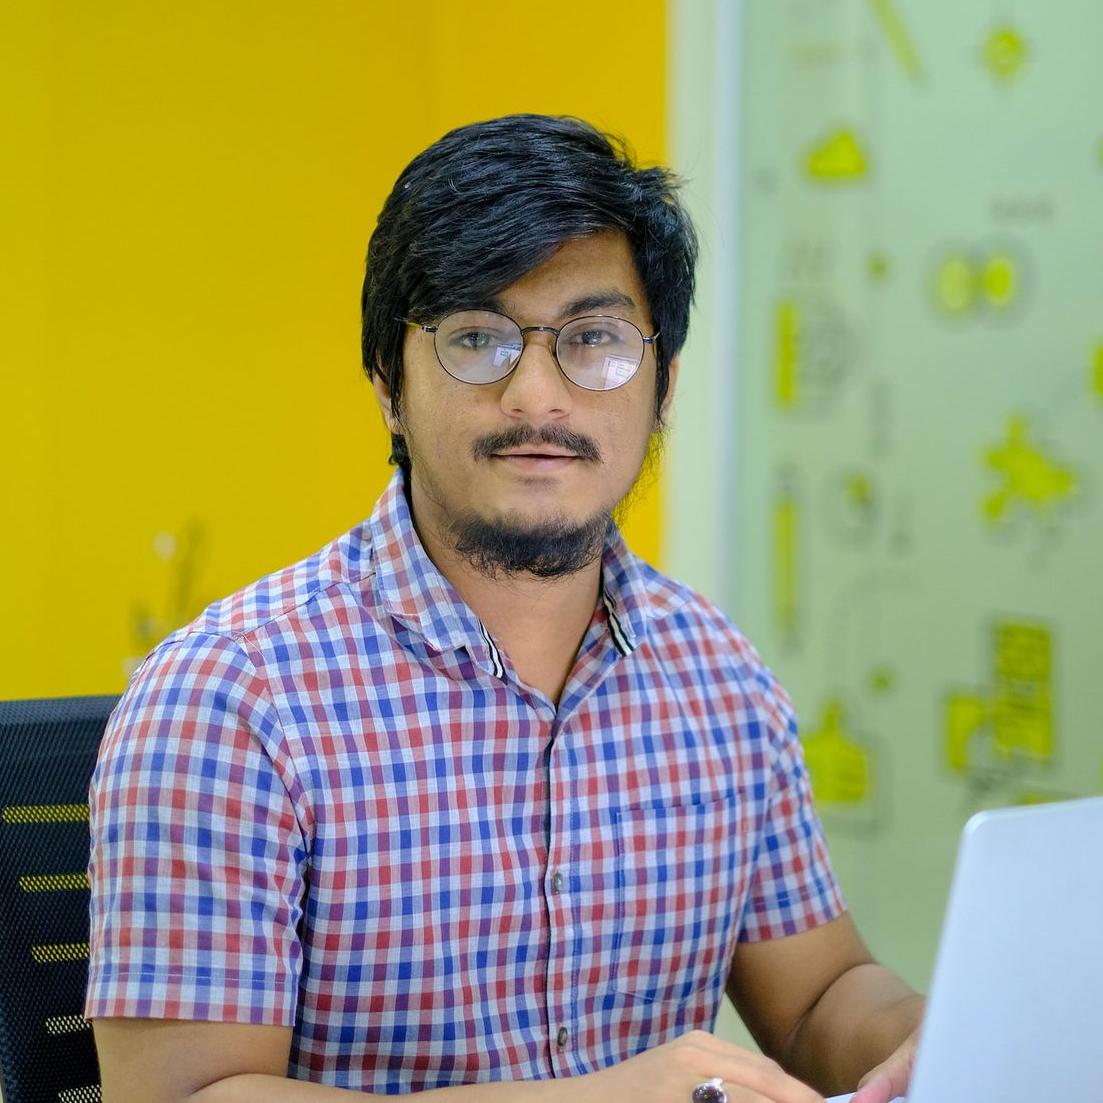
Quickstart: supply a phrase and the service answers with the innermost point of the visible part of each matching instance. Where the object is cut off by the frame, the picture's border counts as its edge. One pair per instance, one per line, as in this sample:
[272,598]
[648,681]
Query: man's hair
[489,202]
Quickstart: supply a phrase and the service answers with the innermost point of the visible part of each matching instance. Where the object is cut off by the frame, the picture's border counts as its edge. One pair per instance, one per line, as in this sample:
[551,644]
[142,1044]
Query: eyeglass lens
[479,346]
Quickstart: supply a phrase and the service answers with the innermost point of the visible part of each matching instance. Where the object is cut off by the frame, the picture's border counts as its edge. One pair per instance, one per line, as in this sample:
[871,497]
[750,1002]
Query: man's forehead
[594,301]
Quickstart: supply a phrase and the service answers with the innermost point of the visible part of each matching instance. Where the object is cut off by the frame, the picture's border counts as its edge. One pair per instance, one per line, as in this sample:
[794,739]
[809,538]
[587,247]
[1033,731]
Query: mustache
[558,436]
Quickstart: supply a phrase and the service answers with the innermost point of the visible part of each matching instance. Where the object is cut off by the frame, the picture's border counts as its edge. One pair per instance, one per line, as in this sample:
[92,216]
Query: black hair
[488,202]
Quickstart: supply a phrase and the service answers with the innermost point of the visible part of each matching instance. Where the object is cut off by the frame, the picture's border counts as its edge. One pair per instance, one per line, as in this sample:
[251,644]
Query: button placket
[560,963]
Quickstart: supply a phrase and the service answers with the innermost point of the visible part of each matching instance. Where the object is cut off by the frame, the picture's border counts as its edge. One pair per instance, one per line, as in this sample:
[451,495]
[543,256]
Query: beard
[511,545]
[545,550]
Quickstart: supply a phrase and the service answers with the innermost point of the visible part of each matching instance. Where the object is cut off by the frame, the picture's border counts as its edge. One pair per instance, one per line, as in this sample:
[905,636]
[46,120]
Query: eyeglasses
[480,346]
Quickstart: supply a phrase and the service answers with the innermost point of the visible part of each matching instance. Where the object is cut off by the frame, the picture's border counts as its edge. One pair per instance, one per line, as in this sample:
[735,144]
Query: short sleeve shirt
[331,804]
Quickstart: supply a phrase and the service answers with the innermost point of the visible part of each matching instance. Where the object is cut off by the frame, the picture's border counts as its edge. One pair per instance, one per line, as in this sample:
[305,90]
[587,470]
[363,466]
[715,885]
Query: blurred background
[887,450]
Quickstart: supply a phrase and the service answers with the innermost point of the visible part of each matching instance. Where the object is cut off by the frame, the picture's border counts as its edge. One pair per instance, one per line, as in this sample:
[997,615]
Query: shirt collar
[634,593]
[415,593]
[409,585]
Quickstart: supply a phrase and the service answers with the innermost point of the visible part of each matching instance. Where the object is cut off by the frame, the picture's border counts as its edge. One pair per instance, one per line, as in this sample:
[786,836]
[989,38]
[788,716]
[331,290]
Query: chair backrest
[47,754]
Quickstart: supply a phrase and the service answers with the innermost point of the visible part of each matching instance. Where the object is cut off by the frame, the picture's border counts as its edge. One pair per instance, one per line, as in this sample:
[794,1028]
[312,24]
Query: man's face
[482,452]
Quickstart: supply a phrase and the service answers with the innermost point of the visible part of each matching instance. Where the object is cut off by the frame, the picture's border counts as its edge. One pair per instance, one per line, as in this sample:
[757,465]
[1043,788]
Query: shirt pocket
[679,885]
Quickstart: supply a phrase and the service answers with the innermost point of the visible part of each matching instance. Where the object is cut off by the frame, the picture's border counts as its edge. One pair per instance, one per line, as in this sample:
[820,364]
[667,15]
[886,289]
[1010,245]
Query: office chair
[47,753]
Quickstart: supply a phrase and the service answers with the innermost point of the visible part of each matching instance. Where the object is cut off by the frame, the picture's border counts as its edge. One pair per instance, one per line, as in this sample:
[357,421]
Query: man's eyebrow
[601,300]
[588,304]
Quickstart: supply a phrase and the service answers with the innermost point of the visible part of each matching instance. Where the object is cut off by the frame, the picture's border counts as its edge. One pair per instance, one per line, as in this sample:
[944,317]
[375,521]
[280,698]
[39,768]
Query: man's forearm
[668,1072]
[254,1088]
[858,1021]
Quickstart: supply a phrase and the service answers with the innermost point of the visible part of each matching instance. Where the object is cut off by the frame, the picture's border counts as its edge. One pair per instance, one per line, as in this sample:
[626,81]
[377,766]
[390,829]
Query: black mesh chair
[47,752]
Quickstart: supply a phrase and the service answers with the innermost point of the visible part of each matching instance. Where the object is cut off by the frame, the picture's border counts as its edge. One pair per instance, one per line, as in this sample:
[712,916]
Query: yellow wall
[190,200]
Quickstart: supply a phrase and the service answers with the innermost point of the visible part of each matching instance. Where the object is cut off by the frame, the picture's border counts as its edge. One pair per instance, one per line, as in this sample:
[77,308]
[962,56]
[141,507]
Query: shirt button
[557,885]
[561,1037]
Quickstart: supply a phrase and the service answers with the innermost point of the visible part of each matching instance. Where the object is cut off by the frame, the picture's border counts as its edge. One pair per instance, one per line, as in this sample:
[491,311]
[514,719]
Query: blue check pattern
[330,803]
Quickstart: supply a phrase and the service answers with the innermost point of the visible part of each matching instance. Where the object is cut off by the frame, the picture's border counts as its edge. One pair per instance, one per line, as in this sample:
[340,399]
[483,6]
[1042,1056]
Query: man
[473,799]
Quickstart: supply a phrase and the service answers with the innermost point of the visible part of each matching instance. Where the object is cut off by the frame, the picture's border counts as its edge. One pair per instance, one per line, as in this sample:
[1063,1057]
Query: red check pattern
[331,803]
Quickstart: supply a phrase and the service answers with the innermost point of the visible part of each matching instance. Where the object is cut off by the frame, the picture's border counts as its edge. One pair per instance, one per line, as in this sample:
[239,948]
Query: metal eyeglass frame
[647,341]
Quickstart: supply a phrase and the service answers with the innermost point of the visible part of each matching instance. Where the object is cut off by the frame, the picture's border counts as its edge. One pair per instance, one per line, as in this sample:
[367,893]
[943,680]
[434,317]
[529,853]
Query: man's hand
[669,1073]
[891,1077]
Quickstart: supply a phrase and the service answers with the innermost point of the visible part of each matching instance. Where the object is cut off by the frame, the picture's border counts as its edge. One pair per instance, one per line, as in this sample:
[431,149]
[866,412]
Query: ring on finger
[710,1091]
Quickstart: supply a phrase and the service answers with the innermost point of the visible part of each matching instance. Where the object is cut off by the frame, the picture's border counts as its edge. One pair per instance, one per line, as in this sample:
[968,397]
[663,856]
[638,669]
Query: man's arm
[820,1005]
[173,1061]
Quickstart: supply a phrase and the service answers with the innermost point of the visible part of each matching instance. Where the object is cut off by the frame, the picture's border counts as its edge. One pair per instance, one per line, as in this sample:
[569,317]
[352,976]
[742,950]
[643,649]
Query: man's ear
[380,381]
[671,380]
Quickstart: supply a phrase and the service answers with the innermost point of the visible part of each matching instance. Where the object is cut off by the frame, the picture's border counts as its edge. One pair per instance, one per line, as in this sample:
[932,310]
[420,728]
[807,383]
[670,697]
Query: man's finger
[740,1069]
[753,1080]
[884,1083]
[738,1092]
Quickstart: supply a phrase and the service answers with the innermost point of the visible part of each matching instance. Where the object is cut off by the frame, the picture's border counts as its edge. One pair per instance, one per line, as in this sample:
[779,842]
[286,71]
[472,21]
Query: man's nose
[536,389]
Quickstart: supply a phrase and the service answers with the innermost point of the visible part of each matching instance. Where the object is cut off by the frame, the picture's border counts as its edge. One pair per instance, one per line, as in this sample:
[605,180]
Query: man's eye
[473,341]
[594,338]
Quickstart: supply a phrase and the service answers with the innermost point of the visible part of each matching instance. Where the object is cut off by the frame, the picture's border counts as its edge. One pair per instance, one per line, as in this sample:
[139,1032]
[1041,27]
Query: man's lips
[536,453]
[537,462]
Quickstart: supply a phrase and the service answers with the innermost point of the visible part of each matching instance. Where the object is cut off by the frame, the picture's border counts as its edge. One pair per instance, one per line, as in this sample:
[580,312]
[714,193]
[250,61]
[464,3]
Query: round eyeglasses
[480,346]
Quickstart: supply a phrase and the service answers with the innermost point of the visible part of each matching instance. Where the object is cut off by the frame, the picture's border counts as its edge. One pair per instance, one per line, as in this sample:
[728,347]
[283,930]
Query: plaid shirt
[331,803]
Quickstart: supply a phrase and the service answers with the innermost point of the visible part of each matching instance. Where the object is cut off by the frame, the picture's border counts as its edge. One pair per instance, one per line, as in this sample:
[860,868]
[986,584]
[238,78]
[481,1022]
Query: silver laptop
[1015,1012]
